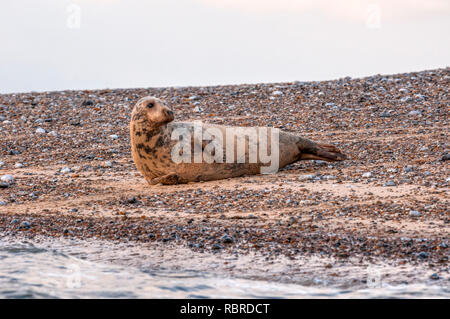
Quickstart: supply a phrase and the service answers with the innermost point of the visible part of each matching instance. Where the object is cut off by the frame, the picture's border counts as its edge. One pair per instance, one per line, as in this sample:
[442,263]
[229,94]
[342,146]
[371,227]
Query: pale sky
[90,44]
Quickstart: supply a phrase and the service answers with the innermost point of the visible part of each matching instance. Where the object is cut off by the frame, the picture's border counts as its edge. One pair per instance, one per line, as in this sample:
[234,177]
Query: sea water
[30,270]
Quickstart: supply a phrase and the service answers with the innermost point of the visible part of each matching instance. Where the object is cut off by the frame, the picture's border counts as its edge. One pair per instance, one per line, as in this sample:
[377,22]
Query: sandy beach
[69,174]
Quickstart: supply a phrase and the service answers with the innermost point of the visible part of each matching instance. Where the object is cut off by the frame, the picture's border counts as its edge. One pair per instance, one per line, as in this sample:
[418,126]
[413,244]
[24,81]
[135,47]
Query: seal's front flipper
[169,179]
[312,151]
[323,152]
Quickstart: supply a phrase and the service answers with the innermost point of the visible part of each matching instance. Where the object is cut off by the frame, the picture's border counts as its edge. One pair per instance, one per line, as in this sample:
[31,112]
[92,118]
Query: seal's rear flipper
[169,179]
[322,152]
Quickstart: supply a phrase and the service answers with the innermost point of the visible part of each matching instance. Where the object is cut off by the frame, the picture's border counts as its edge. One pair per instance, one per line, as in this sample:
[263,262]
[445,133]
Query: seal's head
[153,111]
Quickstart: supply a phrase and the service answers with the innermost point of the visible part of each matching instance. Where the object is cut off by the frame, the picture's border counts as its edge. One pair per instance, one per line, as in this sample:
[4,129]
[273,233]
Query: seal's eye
[150,105]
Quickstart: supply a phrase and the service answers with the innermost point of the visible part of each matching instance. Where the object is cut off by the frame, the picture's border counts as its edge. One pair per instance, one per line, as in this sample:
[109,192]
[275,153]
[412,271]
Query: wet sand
[69,156]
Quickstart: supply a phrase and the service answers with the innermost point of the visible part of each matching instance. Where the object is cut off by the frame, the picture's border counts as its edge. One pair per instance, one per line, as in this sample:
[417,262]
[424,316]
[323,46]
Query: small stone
[4,185]
[40,130]
[415,213]
[435,276]
[226,239]
[390,183]
[306,177]
[412,113]
[194,98]
[66,170]
[2,163]
[198,109]
[408,169]
[423,255]
[277,93]
[367,175]
[25,225]
[114,136]
[2,203]
[18,165]
[406,99]
[53,133]
[132,200]
[87,103]
[445,157]
[7,178]
[419,96]
[108,164]
[217,246]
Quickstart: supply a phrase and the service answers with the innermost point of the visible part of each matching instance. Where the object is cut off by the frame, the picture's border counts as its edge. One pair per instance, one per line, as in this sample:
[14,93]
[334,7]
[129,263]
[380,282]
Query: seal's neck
[152,131]
[144,131]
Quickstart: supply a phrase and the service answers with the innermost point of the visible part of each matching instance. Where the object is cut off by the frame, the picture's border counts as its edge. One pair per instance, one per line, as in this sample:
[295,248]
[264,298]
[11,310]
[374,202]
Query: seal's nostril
[170,112]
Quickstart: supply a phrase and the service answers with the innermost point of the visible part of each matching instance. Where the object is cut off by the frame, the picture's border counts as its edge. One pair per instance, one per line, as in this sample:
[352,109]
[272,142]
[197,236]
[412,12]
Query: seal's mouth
[169,115]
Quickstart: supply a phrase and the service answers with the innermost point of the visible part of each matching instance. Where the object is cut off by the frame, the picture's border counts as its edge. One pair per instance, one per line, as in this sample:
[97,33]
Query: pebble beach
[67,173]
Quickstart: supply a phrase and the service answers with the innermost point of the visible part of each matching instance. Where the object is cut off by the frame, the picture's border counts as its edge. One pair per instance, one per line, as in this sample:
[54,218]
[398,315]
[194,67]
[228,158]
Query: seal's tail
[313,151]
